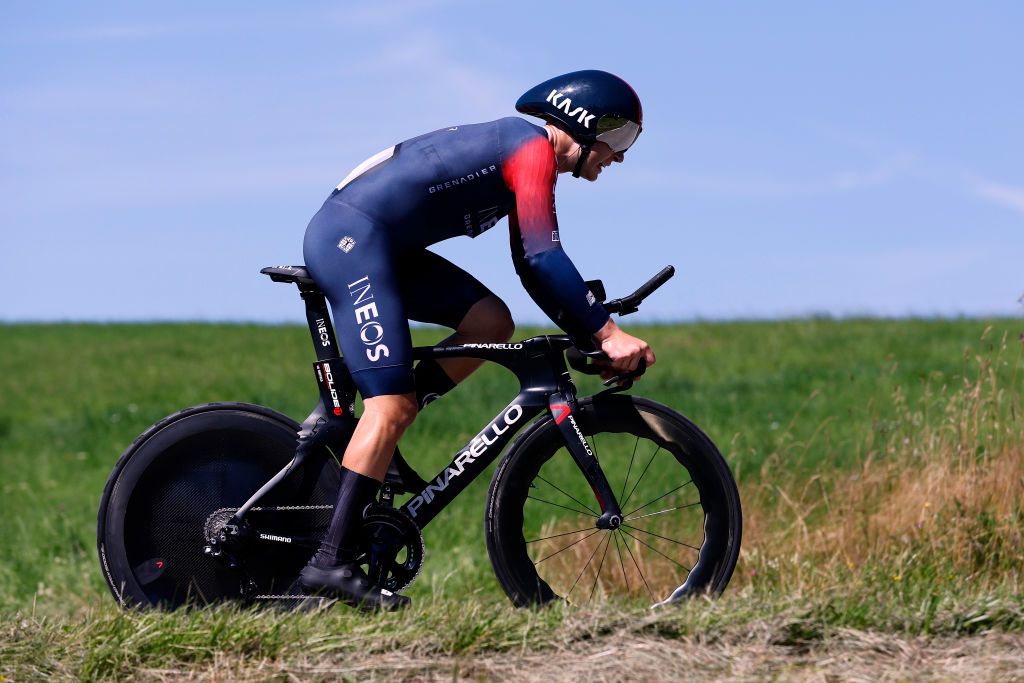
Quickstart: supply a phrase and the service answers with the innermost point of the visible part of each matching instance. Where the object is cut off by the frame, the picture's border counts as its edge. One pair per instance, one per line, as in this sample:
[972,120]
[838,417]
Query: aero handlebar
[623,306]
[631,302]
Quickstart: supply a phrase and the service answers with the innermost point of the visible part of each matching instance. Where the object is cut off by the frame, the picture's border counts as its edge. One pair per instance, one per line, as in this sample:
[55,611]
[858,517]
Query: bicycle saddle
[297,274]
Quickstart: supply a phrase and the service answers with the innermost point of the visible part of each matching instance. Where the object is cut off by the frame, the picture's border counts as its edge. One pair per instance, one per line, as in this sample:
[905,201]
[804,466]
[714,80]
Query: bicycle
[227,501]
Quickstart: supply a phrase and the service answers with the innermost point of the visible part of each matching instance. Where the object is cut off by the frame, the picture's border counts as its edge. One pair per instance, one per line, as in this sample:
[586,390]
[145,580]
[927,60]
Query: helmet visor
[617,132]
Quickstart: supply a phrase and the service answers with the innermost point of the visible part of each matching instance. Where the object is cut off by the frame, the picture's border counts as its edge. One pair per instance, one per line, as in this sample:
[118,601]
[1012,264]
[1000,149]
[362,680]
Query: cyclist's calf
[384,420]
[488,320]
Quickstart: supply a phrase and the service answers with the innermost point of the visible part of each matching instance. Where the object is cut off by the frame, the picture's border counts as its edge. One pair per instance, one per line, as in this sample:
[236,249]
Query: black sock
[341,542]
[431,382]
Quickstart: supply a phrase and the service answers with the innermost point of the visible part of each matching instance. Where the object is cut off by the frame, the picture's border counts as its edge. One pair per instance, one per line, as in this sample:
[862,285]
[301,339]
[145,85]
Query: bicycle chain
[293,597]
[209,531]
[278,507]
[290,508]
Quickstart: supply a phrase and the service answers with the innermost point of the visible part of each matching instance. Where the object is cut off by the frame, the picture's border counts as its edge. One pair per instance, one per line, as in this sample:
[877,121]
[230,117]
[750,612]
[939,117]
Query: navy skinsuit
[366,247]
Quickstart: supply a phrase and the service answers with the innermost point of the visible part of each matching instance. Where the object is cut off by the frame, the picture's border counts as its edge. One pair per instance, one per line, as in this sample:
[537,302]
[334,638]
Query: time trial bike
[610,496]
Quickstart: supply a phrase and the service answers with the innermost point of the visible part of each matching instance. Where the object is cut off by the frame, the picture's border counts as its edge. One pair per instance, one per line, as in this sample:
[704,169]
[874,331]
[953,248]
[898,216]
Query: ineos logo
[321,327]
[371,332]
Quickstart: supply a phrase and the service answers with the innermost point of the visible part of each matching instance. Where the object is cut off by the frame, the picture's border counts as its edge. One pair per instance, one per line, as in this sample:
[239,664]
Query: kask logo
[566,105]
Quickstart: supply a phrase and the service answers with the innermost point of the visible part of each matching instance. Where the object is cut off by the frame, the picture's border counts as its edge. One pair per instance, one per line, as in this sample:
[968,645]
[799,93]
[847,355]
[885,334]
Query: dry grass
[942,493]
[906,568]
[849,656]
[592,566]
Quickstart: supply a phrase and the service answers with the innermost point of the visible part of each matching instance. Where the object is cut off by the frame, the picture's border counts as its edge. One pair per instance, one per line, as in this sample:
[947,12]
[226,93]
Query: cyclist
[366,248]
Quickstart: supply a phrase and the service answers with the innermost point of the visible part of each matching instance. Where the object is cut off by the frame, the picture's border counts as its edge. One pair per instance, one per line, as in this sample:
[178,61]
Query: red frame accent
[560,417]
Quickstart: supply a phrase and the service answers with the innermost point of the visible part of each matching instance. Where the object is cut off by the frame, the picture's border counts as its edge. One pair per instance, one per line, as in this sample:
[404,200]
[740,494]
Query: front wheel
[682,520]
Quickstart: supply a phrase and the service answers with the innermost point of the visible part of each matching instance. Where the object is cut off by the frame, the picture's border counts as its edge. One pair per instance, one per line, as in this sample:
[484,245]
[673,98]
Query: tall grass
[938,499]
[886,502]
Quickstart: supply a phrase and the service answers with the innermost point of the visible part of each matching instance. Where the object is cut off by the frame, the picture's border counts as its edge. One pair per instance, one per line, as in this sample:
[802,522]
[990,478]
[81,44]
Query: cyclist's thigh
[435,290]
[351,259]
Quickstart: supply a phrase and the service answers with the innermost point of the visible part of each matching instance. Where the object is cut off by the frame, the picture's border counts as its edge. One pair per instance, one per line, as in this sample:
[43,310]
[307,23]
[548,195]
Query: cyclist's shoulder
[514,128]
[527,155]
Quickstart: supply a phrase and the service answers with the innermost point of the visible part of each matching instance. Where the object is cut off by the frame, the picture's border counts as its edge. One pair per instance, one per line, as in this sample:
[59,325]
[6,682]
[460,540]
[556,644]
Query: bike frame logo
[510,347]
[370,331]
[321,327]
[583,441]
[476,448]
[328,377]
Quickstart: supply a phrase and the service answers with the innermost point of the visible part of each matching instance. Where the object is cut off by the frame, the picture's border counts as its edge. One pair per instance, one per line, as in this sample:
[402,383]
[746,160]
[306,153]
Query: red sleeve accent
[530,173]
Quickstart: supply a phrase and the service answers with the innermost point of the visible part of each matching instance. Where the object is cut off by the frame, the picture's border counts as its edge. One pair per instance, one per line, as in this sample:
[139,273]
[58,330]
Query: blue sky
[797,158]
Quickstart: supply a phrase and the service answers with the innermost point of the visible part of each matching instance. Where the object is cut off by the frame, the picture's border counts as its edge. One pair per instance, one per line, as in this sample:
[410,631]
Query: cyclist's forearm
[559,283]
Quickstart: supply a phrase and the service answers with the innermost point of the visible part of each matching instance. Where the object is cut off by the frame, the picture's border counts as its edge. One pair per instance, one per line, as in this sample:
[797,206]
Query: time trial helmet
[594,106]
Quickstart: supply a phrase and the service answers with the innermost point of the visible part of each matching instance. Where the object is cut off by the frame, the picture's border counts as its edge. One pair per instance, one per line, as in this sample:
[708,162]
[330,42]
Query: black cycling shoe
[350,584]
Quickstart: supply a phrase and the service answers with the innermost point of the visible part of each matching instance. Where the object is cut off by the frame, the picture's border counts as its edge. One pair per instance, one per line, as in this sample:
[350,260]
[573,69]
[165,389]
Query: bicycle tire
[534,496]
[151,522]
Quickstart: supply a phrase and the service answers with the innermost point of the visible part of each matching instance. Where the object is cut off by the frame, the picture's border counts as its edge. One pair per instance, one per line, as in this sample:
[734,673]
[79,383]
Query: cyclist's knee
[397,410]
[488,320]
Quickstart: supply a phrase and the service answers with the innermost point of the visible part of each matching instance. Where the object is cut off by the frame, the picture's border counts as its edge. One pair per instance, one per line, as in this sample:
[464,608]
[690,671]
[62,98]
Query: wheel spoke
[541,500]
[664,538]
[589,560]
[661,512]
[600,566]
[630,468]
[639,540]
[622,564]
[566,547]
[579,502]
[536,540]
[662,488]
[633,490]
[637,565]
[657,499]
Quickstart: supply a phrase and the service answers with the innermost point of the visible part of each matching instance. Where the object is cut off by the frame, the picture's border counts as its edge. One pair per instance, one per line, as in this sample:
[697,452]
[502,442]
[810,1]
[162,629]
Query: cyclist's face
[601,155]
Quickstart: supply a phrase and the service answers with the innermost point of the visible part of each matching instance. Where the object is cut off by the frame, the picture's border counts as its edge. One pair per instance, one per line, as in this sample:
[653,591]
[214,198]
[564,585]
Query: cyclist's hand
[623,350]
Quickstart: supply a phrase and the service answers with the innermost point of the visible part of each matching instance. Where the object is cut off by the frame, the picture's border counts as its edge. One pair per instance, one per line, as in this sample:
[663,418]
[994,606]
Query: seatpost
[332,415]
[337,391]
[320,327]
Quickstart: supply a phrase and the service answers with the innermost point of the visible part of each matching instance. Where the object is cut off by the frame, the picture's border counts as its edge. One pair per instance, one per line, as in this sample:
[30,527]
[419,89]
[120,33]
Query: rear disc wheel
[154,517]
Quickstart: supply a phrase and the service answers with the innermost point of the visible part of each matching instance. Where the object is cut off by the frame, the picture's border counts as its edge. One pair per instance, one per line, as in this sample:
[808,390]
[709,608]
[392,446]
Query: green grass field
[879,463]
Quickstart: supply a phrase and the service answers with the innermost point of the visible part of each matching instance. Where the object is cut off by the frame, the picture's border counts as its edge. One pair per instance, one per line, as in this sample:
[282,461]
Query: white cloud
[383,13]
[423,58]
[1004,195]
[882,173]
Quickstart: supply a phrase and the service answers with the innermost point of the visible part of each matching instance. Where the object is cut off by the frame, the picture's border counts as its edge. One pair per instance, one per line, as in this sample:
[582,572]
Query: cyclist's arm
[546,271]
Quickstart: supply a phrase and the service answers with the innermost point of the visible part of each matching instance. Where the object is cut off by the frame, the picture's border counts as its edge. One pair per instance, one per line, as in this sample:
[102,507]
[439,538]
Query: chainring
[393,547]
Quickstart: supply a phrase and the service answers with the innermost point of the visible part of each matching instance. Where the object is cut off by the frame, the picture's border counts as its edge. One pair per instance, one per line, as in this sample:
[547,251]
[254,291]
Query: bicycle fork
[563,409]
